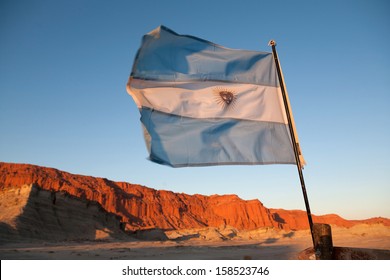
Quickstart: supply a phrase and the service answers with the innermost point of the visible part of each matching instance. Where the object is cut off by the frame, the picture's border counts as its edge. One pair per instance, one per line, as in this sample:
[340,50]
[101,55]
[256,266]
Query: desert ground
[198,244]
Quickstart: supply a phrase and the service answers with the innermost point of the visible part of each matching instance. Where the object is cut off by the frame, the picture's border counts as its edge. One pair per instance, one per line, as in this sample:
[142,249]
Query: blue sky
[63,103]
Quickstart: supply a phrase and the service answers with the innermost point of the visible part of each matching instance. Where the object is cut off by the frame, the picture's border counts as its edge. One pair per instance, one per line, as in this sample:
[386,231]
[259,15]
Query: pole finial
[272,43]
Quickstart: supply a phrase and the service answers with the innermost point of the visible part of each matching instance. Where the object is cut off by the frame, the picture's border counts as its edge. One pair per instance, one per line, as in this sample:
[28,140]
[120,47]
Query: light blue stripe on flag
[168,56]
[180,141]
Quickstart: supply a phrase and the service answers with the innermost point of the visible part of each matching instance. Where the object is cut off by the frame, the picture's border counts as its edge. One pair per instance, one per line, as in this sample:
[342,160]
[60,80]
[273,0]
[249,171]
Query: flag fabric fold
[203,104]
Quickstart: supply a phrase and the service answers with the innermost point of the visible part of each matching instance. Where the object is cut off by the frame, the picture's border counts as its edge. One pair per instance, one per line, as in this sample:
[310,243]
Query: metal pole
[272,43]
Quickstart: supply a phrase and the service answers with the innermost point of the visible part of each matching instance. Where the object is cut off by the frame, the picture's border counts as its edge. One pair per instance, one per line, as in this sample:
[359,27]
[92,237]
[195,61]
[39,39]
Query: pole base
[323,243]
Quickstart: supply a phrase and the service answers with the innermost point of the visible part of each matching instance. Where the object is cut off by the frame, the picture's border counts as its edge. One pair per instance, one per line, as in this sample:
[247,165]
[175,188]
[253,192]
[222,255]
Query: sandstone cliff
[29,212]
[139,207]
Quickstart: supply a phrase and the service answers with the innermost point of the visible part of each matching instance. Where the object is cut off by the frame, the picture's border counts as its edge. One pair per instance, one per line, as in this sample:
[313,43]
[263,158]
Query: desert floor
[197,244]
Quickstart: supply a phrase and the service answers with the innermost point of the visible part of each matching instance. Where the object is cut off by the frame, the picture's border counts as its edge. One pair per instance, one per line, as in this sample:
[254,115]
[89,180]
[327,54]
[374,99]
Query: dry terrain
[206,243]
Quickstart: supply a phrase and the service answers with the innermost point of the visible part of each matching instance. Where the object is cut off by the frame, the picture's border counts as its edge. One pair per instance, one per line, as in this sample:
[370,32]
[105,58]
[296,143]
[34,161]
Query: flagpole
[272,43]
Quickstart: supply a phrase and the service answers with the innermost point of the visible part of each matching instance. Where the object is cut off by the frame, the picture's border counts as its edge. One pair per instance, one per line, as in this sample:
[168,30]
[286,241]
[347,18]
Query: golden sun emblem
[225,97]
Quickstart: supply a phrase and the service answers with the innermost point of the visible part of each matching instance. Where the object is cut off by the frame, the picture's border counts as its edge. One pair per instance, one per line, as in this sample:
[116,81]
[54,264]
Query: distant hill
[52,201]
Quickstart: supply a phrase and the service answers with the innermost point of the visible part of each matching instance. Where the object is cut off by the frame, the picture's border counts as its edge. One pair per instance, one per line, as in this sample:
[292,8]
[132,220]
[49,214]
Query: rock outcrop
[139,207]
[30,212]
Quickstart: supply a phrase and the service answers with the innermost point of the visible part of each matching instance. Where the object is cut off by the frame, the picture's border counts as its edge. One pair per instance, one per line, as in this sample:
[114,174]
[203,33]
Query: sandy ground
[198,244]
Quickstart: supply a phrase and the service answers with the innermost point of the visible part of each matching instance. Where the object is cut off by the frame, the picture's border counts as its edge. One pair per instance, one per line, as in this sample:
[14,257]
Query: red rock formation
[141,207]
[297,219]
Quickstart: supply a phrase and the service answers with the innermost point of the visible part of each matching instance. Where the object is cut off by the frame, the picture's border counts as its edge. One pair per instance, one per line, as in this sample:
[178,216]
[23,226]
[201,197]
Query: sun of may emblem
[225,97]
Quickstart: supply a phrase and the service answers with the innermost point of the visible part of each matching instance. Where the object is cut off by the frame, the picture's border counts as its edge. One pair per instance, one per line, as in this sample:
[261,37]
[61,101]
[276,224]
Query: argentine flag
[203,104]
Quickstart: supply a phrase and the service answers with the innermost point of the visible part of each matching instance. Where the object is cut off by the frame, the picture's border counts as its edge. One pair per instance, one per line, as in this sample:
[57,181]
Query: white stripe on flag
[204,100]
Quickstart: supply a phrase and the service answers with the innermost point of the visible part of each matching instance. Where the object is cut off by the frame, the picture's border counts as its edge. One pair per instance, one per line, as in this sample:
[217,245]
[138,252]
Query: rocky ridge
[137,207]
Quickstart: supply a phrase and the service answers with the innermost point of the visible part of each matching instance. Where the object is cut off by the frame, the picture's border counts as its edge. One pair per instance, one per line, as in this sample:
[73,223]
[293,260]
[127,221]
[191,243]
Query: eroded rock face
[31,212]
[140,207]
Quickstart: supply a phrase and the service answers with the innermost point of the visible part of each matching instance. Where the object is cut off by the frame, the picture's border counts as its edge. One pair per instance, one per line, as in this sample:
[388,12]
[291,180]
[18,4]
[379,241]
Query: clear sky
[63,102]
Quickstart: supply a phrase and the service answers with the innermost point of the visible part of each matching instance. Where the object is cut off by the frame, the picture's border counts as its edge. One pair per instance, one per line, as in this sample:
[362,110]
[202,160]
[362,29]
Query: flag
[203,104]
